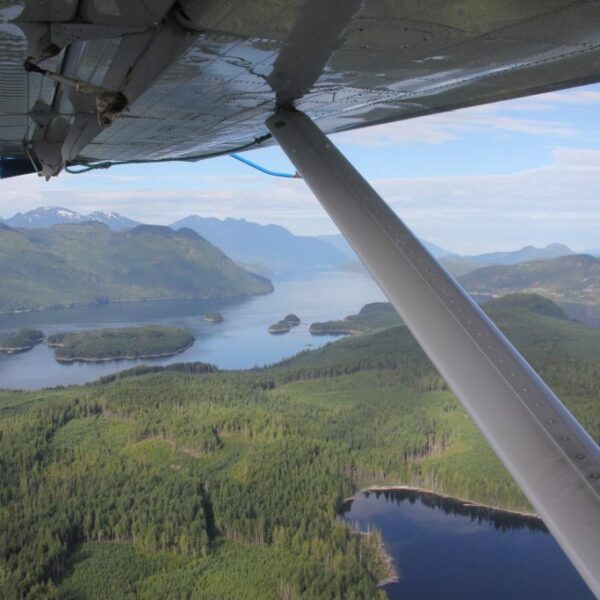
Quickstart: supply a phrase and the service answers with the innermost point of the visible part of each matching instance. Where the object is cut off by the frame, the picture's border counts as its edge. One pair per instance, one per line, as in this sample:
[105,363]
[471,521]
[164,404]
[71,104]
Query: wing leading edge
[201,76]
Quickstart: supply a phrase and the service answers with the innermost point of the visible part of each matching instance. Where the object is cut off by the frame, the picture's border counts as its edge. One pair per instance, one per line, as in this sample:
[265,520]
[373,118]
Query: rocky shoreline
[112,358]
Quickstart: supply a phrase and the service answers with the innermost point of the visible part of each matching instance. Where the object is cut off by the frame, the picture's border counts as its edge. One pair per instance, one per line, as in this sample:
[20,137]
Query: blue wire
[262,169]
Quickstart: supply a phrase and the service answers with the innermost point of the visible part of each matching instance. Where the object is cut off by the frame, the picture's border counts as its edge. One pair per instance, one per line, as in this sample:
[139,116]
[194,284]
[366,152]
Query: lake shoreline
[17,350]
[465,503]
[79,305]
[392,575]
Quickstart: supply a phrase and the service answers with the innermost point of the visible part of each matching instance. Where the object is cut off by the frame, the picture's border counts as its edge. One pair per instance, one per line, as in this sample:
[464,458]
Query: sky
[494,177]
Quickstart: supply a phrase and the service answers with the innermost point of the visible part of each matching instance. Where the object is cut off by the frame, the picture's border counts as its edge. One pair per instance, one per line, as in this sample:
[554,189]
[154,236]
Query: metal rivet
[579,456]
[564,438]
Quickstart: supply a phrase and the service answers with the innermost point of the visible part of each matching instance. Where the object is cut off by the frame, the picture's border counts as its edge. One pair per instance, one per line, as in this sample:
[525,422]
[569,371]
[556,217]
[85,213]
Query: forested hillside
[574,278]
[84,263]
[186,482]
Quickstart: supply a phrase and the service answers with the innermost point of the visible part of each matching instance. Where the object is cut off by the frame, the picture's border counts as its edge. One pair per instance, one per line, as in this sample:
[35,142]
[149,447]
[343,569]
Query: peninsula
[21,341]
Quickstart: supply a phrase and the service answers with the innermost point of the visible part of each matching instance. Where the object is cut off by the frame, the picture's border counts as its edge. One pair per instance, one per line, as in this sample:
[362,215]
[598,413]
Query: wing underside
[201,77]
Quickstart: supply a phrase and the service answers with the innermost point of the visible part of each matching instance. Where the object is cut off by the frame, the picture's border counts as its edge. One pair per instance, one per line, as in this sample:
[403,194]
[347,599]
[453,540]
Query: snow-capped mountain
[46,216]
[114,220]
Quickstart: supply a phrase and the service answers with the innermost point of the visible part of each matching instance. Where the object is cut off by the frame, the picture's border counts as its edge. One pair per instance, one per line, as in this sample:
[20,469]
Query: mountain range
[341,244]
[83,263]
[525,254]
[574,278]
[268,249]
[47,216]
[272,250]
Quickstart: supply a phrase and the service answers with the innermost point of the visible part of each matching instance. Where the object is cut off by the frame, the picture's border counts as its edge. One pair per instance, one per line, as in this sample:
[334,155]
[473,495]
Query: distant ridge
[265,248]
[47,216]
[574,278]
[526,253]
[341,244]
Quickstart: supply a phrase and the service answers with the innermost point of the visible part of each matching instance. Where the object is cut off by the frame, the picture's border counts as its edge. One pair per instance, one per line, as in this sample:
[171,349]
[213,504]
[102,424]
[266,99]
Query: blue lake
[240,341]
[446,550]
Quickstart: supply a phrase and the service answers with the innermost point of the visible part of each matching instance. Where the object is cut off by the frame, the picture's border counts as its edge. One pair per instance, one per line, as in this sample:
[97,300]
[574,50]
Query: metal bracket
[108,103]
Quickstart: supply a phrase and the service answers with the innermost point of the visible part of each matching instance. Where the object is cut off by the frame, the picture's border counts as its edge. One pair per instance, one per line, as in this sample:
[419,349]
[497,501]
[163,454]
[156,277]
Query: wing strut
[552,458]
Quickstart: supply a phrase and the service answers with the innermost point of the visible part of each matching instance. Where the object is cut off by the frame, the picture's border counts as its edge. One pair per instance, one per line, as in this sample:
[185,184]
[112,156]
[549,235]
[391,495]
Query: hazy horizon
[493,177]
[577,249]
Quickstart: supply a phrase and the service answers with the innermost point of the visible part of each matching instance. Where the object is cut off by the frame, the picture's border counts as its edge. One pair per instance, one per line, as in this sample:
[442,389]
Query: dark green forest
[122,342]
[189,482]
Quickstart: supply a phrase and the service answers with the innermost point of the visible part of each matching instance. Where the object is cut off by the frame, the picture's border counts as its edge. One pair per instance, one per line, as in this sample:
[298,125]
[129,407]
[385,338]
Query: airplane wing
[131,80]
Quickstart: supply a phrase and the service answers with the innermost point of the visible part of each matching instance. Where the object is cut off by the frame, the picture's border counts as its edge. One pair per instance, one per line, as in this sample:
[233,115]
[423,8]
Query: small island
[213,317]
[292,320]
[279,328]
[21,341]
[285,324]
[100,345]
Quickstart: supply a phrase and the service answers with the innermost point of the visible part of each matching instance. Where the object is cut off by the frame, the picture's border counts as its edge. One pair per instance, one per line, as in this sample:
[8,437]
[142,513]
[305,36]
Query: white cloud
[558,202]
[444,127]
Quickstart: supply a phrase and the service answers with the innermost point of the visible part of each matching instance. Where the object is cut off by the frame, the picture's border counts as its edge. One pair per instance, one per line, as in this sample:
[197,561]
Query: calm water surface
[445,550]
[240,341]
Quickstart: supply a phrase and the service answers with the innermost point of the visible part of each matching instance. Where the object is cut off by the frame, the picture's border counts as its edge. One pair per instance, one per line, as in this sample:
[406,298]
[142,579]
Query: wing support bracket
[551,457]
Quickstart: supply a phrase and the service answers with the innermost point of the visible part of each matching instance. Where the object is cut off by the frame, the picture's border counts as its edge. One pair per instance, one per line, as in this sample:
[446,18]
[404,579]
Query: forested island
[150,341]
[164,482]
[21,341]
[284,325]
[279,327]
[292,320]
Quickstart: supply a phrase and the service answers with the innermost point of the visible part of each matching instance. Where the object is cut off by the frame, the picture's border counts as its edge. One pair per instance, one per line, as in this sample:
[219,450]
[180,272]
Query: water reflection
[444,548]
[498,519]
